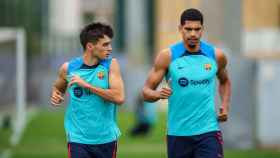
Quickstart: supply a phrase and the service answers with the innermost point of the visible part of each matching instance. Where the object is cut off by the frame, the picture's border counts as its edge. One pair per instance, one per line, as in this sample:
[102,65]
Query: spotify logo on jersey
[78,92]
[183,81]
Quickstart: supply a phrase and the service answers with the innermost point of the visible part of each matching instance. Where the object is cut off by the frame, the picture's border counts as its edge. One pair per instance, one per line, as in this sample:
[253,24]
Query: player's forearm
[225,93]
[150,95]
[112,95]
[61,87]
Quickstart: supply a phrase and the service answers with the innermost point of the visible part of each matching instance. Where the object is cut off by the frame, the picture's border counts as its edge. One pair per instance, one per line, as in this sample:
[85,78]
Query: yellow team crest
[100,75]
[207,66]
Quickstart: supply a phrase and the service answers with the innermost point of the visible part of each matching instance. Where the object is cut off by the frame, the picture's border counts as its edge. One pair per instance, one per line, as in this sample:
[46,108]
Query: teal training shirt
[90,119]
[191,109]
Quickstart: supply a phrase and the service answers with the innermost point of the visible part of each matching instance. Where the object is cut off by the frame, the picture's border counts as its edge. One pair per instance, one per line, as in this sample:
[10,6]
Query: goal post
[17,35]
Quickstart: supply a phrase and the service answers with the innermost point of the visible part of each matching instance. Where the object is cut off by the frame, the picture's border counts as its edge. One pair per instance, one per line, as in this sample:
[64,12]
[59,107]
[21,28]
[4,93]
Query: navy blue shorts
[208,145]
[107,150]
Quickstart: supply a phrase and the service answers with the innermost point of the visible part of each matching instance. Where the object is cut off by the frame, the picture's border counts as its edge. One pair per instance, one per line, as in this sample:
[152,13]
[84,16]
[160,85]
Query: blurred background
[37,36]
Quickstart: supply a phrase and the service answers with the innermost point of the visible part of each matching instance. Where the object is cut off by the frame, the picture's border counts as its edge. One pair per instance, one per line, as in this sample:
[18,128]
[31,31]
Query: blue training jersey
[90,119]
[191,109]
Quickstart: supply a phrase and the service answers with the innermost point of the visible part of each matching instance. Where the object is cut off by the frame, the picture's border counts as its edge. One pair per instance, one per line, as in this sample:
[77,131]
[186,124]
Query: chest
[98,76]
[194,67]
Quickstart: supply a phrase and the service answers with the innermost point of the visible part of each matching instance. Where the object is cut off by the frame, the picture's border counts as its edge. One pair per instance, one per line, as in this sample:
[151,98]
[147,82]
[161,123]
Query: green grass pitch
[44,138]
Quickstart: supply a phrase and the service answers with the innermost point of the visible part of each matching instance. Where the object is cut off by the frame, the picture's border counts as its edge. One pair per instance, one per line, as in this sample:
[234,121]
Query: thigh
[77,150]
[210,145]
[179,147]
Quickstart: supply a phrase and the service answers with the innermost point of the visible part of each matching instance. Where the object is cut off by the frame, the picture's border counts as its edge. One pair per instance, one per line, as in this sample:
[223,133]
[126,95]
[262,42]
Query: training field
[44,138]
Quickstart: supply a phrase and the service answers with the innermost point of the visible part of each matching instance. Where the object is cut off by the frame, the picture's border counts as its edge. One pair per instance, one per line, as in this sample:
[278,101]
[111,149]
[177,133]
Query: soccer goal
[13,80]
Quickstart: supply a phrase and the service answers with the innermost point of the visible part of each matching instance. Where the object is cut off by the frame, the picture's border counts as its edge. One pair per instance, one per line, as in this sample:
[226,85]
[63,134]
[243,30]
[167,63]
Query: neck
[192,49]
[90,59]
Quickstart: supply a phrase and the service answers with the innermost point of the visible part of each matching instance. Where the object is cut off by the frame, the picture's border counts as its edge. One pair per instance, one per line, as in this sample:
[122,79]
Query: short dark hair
[93,32]
[191,14]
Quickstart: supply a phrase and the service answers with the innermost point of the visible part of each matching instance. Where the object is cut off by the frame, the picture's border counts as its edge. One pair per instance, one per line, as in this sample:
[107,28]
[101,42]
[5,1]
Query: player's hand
[56,97]
[77,80]
[223,114]
[165,92]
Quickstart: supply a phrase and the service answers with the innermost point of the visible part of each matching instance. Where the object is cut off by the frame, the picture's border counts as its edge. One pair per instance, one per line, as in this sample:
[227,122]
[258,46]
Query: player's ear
[89,46]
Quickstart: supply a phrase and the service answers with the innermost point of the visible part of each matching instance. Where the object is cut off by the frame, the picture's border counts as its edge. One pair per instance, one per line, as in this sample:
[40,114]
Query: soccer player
[191,66]
[95,87]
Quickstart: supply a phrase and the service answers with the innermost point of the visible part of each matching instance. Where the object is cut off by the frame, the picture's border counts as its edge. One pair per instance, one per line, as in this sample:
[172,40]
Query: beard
[192,45]
[193,42]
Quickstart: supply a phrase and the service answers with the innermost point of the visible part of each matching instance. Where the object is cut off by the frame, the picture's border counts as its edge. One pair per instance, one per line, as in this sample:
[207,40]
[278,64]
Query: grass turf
[44,138]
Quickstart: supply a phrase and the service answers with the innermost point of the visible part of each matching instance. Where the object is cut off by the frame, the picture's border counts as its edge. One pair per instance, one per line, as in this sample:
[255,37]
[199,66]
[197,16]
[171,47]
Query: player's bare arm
[115,93]
[224,85]
[59,86]
[155,76]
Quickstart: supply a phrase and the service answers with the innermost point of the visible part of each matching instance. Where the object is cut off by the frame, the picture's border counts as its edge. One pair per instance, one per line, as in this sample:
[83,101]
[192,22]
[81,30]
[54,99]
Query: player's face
[191,32]
[103,48]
